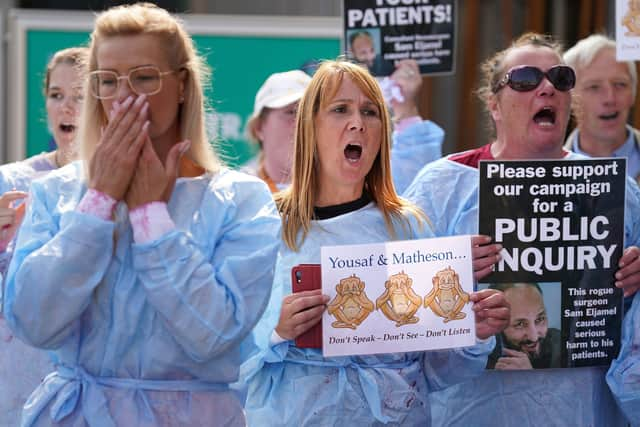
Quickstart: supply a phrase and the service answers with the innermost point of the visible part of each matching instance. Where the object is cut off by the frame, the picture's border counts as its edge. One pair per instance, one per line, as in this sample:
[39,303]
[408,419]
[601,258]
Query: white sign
[627,30]
[398,296]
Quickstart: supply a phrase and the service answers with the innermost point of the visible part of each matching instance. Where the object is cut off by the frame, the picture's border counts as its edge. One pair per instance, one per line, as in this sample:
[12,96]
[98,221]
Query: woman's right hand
[10,216]
[300,311]
[114,161]
[407,76]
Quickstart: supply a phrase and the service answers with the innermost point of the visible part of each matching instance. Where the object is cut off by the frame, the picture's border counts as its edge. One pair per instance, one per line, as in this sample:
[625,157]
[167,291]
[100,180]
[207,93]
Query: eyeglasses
[145,80]
[527,77]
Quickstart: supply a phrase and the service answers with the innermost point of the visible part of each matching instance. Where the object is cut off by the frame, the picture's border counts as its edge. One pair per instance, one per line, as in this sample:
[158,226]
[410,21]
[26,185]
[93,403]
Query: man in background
[602,98]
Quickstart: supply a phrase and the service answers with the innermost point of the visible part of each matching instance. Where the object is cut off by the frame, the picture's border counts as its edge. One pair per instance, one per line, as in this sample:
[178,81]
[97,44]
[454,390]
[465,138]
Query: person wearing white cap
[415,141]
[272,125]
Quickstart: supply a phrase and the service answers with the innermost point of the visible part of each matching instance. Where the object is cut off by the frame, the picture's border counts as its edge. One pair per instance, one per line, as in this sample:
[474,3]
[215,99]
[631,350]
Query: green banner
[240,65]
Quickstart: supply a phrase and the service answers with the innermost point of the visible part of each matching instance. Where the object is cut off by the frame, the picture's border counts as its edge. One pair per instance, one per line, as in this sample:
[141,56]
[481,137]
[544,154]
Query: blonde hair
[297,202]
[74,56]
[583,53]
[146,18]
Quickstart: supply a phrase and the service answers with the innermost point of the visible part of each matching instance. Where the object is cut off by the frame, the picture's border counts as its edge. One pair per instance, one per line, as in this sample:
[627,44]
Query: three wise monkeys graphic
[399,302]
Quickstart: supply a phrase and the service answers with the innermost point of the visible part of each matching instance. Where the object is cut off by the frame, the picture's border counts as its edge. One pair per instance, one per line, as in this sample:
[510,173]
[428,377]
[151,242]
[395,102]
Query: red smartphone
[307,277]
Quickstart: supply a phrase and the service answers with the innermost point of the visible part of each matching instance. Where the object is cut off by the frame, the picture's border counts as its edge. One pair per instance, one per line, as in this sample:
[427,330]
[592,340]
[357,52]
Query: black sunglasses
[527,77]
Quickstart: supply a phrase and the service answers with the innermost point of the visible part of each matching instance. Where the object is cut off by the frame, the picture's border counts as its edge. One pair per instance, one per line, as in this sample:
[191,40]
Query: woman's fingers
[7,216]
[304,302]
[485,255]
[116,115]
[299,312]
[116,157]
[9,197]
[128,123]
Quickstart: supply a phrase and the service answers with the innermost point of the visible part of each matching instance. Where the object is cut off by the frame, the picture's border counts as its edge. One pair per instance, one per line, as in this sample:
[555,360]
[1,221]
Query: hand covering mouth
[353,152]
[545,116]
[611,116]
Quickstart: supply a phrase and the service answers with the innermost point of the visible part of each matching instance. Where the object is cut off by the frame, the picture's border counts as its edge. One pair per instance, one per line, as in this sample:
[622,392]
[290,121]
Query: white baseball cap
[280,89]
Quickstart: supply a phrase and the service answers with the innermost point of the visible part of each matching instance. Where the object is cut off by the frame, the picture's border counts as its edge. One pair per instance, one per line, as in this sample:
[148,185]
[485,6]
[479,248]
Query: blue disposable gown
[624,374]
[146,334]
[291,386]
[447,191]
[18,176]
[22,367]
[413,148]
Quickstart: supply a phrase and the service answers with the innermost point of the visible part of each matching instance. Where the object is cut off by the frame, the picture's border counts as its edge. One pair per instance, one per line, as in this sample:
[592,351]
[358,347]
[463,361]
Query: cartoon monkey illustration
[399,302]
[351,305]
[631,19]
[447,298]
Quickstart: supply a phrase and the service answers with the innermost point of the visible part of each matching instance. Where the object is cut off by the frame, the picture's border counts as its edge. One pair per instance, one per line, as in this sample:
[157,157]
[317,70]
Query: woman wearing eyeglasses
[144,266]
[527,91]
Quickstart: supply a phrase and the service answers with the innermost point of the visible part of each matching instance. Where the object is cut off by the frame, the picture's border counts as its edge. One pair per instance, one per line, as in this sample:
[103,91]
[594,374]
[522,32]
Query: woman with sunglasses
[527,92]
[22,367]
[144,266]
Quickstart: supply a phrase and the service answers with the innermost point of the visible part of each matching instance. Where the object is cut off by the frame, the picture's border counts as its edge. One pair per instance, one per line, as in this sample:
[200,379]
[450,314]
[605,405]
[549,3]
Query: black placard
[423,30]
[561,223]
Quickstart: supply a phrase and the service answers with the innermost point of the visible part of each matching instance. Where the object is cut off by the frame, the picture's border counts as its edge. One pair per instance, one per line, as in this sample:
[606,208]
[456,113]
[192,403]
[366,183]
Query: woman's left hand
[628,275]
[492,312]
[484,255]
[152,181]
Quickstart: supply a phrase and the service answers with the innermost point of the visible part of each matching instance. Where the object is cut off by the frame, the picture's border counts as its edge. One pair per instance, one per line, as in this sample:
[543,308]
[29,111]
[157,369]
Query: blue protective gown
[413,148]
[22,367]
[290,386]
[146,334]
[447,191]
[624,374]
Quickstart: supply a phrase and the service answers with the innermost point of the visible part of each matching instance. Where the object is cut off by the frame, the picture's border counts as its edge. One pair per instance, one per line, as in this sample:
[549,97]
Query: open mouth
[530,347]
[611,116]
[353,152]
[545,117]
[67,128]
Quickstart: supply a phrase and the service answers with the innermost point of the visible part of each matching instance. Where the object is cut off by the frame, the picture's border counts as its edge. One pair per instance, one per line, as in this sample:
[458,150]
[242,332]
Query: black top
[327,212]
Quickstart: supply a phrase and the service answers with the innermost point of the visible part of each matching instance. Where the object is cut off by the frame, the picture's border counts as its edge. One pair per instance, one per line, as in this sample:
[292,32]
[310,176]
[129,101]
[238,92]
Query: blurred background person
[526,89]
[604,94]
[23,367]
[63,82]
[145,266]
[272,125]
[342,193]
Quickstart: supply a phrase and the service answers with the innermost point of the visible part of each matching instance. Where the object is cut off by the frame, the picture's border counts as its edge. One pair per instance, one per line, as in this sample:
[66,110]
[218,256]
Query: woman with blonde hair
[23,367]
[147,296]
[342,193]
[64,76]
